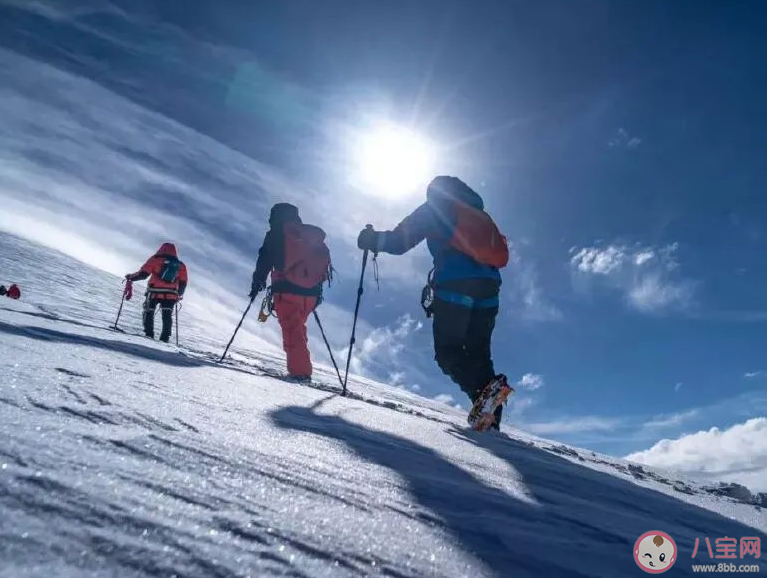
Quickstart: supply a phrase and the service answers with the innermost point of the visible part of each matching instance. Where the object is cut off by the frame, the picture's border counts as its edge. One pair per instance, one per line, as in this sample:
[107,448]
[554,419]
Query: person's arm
[265,263]
[143,273]
[413,229]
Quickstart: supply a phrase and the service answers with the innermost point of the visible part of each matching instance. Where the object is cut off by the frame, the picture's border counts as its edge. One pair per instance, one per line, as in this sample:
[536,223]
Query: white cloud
[737,454]
[531,381]
[653,293]
[671,420]
[678,386]
[754,374]
[574,425]
[599,261]
[445,398]
[381,347]
[647,277]
[643,256]
[622,139]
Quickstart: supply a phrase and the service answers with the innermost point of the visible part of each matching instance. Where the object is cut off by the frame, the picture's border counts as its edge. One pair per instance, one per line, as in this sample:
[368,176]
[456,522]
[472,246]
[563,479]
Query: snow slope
[125,457]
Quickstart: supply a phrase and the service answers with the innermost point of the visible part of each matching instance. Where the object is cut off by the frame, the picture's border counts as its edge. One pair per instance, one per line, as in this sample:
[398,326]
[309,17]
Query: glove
[368,240]
[129,276]
[255,290]
[3,290]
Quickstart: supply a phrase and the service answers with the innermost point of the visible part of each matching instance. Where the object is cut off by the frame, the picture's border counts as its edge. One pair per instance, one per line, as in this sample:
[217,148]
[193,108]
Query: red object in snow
[13,292]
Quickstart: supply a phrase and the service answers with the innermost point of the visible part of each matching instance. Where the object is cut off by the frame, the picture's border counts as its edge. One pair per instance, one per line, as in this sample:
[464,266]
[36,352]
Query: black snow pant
[166,307]
[462,334]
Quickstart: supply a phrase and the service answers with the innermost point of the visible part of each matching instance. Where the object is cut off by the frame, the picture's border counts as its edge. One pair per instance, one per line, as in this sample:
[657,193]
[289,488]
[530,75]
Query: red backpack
[307,257]
[477,236]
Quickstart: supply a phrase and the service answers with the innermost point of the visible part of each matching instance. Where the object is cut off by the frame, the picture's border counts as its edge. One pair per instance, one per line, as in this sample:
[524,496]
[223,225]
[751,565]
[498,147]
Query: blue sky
[620,145]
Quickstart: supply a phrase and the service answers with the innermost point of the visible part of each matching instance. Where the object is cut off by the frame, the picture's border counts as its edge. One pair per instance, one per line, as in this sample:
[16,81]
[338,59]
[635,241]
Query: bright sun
[392,161]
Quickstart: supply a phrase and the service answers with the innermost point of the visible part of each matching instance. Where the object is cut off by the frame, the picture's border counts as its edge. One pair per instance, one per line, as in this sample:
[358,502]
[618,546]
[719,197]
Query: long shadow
[581,523]
[614,509]
[52,317]
[135,350]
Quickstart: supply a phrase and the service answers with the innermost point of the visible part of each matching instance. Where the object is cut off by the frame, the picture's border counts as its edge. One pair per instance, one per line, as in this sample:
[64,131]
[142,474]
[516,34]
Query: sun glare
[392,161]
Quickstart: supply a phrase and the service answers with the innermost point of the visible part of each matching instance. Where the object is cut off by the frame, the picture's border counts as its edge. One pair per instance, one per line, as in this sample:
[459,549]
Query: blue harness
[465,300]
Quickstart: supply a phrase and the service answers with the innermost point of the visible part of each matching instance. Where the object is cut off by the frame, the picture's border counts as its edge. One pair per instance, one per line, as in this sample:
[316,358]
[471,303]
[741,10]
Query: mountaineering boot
[493,396]
[299,378]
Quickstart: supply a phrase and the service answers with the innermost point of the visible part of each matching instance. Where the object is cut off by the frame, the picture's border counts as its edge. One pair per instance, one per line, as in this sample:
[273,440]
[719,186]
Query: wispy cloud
[648,277]
[517,406]
[677,386]
[525,296]
[755,374]
[666,421]
[622,139]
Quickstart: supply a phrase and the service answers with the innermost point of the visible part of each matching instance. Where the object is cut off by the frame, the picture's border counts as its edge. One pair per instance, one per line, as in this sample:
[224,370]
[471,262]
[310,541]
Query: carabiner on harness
[427,295]
[267,306]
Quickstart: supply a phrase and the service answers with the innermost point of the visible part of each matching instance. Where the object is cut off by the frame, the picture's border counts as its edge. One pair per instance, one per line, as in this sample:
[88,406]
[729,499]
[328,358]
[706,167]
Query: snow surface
[121,456]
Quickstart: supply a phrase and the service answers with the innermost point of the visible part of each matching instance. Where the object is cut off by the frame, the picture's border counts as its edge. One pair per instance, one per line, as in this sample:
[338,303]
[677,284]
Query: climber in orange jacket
[168,279]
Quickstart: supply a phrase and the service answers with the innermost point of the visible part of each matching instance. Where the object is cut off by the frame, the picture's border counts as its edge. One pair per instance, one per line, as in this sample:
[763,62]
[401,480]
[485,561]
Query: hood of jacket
[167,249]
[283,213]
[445,188]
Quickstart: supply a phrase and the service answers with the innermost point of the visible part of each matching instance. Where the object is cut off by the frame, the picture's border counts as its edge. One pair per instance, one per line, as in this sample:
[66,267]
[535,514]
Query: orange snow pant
[292,312]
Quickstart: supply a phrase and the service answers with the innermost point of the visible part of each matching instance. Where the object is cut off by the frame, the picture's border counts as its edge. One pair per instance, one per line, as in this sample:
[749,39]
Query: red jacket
[157,287]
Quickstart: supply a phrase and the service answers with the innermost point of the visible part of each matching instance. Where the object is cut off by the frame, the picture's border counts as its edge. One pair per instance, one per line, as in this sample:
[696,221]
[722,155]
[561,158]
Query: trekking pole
[360,291]
[119,312]
[236,329]
[127,292]
[177,310]
[330,351]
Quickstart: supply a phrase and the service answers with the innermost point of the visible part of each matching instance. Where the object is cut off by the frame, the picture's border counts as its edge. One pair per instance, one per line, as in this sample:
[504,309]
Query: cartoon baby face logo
[655,552]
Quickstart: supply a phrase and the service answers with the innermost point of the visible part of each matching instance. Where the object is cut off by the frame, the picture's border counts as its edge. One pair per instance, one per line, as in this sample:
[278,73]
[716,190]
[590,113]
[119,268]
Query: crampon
[482,414]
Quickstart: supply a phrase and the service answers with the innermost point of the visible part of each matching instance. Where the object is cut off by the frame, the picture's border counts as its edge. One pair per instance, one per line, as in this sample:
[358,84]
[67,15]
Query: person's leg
[451,323]
[292,312]
[149,308]
[478,349]
[479,360]
[166,307]
[305,357]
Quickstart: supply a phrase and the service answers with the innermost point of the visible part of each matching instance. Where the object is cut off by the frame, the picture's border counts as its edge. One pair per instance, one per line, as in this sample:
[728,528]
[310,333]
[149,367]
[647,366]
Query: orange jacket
[157,287]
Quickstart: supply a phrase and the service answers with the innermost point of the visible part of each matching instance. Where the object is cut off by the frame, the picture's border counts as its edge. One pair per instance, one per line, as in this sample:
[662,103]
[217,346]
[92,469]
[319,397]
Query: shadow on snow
[135,350]
[583,522]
